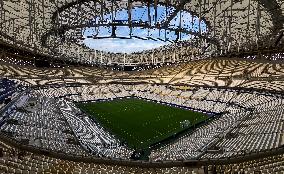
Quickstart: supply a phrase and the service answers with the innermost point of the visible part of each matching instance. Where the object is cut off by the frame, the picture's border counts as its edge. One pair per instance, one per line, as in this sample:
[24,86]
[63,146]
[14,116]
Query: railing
[142,163]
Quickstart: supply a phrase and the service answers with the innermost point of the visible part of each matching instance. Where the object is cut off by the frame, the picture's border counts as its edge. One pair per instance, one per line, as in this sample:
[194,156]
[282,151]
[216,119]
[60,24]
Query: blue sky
[135,45]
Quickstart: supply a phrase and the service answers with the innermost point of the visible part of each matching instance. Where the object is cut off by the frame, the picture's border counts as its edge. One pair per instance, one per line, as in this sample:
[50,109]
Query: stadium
[136,86]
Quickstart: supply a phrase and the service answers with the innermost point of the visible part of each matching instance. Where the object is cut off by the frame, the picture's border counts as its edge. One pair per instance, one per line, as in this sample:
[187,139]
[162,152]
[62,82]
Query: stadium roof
[55,27]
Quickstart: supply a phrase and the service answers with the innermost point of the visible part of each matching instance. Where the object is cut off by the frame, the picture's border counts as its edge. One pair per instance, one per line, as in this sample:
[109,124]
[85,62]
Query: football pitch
[141,123]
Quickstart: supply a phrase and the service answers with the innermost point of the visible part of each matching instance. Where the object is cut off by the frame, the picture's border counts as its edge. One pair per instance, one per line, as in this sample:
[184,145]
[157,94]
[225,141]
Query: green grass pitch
[138,122]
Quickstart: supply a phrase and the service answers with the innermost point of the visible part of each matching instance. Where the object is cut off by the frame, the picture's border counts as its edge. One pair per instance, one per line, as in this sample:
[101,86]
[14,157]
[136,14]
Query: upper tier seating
[225,72]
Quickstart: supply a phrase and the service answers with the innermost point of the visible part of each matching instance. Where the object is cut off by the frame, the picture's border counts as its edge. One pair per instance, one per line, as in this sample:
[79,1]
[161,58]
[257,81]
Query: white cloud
[136,45]
[122,45]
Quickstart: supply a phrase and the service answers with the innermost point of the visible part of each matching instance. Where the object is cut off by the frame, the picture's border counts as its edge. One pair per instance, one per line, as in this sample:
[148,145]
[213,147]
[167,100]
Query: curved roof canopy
[60,27]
